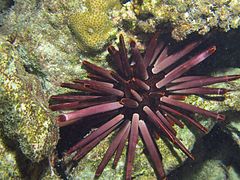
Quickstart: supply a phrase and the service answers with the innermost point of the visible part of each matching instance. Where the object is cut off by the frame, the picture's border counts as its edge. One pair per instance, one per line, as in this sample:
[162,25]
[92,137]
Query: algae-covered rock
[24,114]
[184,16]
[9,168]
[233,173]
[13,164]
[43,41]
[233,127]
[49,174]
[232,100]
[232,103]
[5,4]
[208,169]
[211,170]
[92,27]
[216,158]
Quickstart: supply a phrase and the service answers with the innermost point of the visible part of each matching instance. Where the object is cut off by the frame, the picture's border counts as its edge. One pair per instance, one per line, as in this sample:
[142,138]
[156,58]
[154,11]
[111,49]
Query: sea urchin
[145,93]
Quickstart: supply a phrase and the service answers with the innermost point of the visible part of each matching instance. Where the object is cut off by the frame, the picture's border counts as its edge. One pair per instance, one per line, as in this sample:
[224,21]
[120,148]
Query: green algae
[24,114]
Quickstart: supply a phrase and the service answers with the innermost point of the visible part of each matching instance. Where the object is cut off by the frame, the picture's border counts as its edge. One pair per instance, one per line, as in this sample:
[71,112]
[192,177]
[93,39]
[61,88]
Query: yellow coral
[93,28]
[101,5]
[90,29]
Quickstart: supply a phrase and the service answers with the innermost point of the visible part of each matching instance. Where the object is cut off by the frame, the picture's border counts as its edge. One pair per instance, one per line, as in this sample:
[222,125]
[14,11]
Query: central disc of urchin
[139,92]
[136,93]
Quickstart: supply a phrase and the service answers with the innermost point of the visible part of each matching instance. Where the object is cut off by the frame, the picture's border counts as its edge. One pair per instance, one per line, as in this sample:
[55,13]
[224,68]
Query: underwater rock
[43,41]
[233,127]
[14,164]
[39,31]
[9,168]
[232,99]
[24,114]
[5,4]
[216,158]
[184,17]
[211,170]
[233,106]
[233,173]
[50,175]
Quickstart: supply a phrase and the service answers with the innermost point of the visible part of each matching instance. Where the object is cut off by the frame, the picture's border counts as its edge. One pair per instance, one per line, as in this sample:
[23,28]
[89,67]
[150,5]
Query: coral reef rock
[24,115]
[185,17]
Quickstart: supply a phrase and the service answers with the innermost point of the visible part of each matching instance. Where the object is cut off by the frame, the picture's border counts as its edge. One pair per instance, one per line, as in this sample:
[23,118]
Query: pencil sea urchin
[145,93]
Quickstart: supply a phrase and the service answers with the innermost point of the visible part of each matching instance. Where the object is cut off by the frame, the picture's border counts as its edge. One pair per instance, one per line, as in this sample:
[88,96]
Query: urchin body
[145,94]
